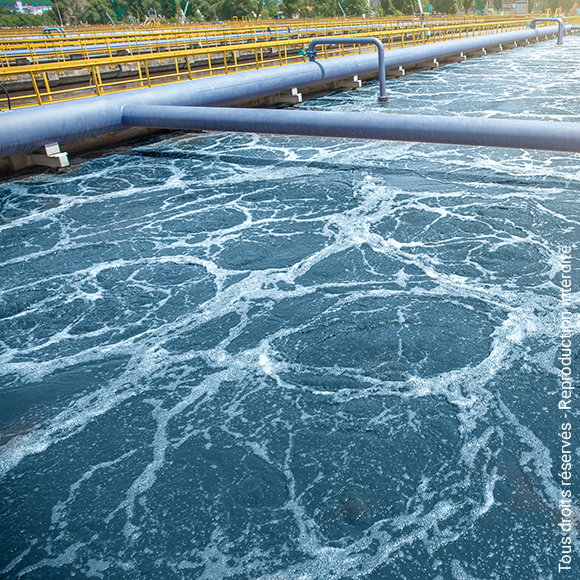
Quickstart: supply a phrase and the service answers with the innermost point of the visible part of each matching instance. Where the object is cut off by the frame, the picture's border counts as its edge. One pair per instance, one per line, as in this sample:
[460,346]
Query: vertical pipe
[560,26]
[361,40]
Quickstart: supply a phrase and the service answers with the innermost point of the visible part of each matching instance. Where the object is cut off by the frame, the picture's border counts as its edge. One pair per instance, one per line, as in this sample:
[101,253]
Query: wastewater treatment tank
[247,357]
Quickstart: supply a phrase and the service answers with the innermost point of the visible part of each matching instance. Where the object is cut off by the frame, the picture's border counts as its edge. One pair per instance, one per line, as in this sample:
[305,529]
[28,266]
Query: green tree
[16,19]
[269,9]
[325,7]
[121,10]
[202,10]
[387,6]
[467,4]
[445,6]
[355,7]
[169,8]
[290,7]
[565,5]
[240,8]
[96,12]
[72,10]
[406,6]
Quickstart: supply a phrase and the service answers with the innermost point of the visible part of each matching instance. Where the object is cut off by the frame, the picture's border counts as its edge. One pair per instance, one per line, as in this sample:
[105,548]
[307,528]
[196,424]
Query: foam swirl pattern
[264,357]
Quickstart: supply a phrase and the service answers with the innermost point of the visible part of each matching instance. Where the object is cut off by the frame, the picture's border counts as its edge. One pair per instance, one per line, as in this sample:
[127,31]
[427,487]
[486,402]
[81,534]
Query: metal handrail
[154,41]
[107,67]
[91,38]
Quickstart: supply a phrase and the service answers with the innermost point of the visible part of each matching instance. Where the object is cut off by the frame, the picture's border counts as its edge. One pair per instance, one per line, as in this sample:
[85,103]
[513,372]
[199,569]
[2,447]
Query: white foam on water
[228,345]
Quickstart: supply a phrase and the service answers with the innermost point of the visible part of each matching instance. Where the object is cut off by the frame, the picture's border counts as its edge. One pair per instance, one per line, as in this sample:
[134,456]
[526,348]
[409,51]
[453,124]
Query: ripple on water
[248,356]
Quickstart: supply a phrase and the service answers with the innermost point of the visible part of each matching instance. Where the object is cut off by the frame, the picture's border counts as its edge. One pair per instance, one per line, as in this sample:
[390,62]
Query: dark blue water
[260,357]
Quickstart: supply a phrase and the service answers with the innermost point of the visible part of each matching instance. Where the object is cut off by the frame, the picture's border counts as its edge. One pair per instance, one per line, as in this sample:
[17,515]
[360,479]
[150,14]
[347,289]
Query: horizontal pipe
[389,127]
[29,128]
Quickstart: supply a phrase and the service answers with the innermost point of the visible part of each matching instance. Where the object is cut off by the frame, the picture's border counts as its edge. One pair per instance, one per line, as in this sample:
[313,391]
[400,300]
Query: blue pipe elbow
[357,40]
[560,26]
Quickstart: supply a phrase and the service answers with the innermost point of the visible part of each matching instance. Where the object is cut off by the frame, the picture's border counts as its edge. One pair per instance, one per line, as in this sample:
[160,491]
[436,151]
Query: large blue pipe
[382,126]
[28,128]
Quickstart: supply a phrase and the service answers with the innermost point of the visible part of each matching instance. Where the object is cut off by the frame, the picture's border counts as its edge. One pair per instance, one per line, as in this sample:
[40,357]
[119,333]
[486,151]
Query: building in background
[27,7]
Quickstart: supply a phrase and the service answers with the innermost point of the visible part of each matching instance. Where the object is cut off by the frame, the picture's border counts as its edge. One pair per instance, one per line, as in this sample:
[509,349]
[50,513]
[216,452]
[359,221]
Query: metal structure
[560,26]
[356,41]
[38,69]
[30,128]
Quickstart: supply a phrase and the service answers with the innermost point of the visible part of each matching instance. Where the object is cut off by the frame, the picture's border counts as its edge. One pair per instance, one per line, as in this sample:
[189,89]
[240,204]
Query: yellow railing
[108,30]
[259,29]
[59,69]
[54,44]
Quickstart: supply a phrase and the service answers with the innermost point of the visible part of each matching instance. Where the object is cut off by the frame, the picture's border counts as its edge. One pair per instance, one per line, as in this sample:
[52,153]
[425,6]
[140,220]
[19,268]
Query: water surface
[266,357]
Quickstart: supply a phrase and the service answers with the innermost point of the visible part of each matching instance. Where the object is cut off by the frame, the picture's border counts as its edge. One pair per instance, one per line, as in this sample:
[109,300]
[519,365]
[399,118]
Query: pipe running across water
[28,128]
[389,127]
